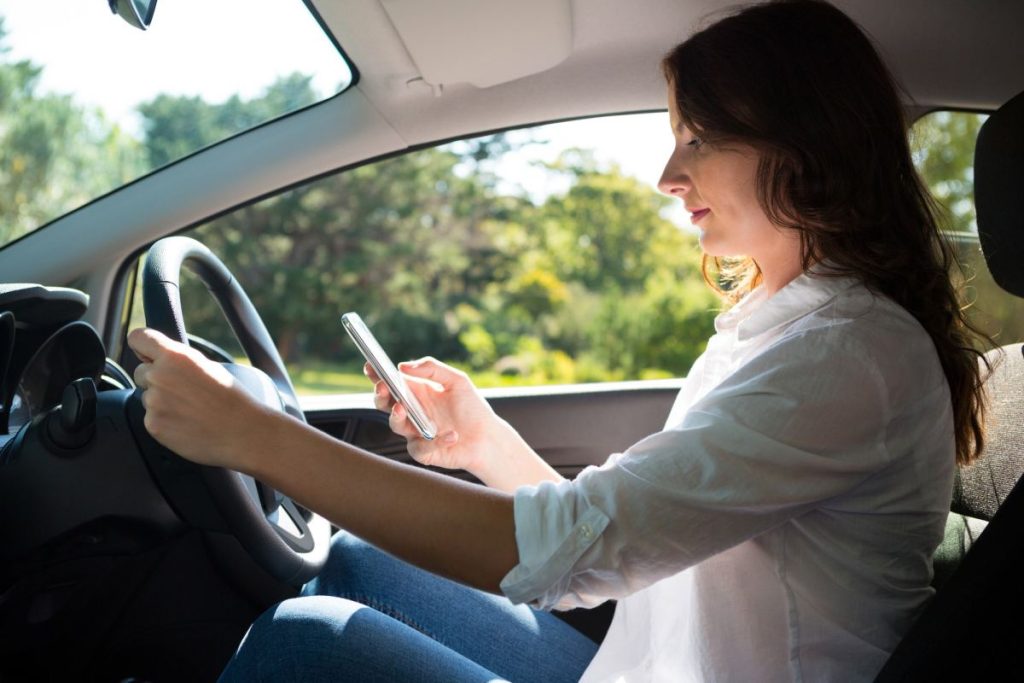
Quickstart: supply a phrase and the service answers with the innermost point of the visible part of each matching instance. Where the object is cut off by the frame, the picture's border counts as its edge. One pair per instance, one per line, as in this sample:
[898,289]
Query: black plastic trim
[334,41]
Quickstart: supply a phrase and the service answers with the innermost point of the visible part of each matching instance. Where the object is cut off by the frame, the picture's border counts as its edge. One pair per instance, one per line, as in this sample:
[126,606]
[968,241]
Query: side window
[943,145]
[541,256]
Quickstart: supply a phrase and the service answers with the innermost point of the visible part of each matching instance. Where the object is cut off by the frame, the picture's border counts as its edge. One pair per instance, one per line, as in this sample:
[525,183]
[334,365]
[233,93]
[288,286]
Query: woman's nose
[675,181]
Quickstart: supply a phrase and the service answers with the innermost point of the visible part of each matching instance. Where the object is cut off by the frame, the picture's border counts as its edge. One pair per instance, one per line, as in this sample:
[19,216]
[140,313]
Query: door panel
[572,431]
[570,428]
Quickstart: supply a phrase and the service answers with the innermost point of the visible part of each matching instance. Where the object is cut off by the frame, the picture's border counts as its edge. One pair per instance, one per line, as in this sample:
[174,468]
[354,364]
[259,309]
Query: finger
[371,373]
[149,344]
[434,370]
[399,423]
[382,399]
[140,375]
[422,382]
[134,339]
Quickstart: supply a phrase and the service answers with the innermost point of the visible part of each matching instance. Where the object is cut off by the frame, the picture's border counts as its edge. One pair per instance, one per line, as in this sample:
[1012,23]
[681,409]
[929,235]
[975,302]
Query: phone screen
[386,370]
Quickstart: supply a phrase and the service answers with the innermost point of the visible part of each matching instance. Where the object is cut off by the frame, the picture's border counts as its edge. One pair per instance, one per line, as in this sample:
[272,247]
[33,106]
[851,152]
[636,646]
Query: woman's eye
[696,142]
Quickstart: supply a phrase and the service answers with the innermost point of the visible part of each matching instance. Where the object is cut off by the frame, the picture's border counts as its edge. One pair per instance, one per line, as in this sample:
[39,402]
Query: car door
[570,427]
[553,273]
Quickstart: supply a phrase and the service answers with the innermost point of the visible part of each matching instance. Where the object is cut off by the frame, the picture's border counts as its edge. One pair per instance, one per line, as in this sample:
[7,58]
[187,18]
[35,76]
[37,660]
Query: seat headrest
[999,194]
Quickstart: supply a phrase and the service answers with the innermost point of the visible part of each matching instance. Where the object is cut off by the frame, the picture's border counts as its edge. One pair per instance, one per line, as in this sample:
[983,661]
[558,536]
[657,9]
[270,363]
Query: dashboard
[92,508]
[44,347]
[75,453]
[95,509]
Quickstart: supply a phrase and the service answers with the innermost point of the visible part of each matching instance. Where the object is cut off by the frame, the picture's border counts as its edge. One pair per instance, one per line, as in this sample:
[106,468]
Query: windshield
[88,102]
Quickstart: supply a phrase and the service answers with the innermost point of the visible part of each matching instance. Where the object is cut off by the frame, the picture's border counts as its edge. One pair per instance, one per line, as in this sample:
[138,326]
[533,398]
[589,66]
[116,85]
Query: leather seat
[973,630]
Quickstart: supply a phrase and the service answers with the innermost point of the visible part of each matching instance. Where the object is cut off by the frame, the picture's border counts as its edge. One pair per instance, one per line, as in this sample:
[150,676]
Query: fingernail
[450,437]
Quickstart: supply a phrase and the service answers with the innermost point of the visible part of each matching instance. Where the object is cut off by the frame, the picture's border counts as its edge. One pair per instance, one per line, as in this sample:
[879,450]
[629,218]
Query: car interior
[119,560]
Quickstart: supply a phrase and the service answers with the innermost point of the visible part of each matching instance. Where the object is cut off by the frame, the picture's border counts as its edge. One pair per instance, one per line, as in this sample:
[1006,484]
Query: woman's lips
[698,214]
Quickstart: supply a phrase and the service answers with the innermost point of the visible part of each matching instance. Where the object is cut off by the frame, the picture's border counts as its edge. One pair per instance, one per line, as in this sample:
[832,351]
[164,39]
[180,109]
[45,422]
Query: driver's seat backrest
[981,488]
[973,630]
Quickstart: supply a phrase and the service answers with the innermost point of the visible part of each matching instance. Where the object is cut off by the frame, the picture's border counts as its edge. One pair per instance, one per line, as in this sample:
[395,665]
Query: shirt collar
[757,312]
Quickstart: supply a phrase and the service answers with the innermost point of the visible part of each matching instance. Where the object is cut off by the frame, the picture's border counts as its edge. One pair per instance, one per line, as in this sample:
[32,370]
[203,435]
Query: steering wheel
[291,544]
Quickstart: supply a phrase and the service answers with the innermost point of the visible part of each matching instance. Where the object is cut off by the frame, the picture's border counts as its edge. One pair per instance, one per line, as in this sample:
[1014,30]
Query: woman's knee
[292,637]
[308,623]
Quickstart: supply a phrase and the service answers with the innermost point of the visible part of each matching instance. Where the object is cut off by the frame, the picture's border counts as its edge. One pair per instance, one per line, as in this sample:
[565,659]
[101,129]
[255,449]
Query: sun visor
[482,42]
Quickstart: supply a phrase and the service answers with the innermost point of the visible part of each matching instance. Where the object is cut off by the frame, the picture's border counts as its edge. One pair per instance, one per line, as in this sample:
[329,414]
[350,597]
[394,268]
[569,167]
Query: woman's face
[717,186]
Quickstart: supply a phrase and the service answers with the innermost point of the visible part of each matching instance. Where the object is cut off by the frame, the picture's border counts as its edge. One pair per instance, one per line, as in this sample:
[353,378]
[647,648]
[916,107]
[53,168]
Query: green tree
[943,147]
[177,125]
[606,235]
[590,284]
[54,154]
[401,241]
[602,230]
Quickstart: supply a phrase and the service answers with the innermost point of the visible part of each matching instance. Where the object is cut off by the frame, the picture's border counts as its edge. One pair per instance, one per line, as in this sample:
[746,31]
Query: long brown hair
[800,82]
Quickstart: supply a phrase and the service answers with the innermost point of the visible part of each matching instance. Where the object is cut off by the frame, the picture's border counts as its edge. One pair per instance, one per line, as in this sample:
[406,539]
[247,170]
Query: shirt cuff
[551,535]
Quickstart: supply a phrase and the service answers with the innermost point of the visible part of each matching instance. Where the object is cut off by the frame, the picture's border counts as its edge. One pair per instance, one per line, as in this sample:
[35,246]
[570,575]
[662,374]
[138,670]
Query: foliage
[943,147]
[590,283]
[176,126]
[54,155]
[943,144]
[439,262]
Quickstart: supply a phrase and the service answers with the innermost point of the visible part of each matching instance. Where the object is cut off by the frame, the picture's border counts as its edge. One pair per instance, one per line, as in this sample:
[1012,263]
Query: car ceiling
[947,53]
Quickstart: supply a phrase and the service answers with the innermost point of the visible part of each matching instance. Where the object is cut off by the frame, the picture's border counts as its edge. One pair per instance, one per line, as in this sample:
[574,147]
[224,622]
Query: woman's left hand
[193,405]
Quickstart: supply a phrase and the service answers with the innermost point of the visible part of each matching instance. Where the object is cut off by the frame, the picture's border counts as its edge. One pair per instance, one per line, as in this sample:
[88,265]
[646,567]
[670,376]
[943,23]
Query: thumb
[149,344]
[434,370]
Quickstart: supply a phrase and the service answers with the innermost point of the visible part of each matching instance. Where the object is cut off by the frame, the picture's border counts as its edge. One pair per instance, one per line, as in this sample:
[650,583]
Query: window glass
[530,257]
[88,102]
[943,146]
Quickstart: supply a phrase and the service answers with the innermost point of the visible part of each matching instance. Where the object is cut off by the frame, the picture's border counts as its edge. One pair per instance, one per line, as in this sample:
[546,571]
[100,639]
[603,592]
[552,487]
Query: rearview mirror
[138,13]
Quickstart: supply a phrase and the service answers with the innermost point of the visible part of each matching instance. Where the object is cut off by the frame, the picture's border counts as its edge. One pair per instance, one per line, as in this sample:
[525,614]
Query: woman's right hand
[470,435]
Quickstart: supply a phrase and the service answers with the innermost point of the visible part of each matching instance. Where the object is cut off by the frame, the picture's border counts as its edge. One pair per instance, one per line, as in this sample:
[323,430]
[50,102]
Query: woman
[781,526]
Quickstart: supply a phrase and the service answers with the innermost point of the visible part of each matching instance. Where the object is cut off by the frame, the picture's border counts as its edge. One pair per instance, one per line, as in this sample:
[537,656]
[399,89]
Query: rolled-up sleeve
[778,436]
[552,535]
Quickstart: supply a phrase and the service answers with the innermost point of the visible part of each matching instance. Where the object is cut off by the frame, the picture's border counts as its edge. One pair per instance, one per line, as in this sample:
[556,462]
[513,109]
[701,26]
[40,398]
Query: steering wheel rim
[267,534]
[161,301]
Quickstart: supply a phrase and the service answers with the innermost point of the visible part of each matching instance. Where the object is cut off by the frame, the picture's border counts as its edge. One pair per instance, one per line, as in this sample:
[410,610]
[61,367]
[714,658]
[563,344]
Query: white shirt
[781,527]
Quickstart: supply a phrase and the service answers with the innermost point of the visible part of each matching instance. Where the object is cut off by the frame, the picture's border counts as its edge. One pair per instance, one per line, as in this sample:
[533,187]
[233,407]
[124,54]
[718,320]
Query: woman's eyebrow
[683,130]
[679,125]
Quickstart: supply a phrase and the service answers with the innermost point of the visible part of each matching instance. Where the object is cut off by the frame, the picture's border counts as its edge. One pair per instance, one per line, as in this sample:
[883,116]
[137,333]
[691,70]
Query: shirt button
[585,531]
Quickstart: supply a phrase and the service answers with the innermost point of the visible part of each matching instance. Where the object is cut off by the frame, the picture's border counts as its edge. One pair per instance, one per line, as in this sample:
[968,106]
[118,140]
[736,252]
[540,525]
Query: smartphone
[386,370]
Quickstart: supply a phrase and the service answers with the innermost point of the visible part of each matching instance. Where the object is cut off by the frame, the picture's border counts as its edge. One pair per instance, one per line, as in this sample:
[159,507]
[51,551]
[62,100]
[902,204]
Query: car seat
[973,630]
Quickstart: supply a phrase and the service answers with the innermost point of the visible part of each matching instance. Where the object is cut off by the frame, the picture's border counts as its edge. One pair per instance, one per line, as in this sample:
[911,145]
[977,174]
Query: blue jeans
[371,617]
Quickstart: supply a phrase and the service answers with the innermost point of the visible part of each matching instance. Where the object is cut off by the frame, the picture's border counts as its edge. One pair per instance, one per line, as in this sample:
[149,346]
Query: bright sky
[184,52]
[639,143]
[187,52]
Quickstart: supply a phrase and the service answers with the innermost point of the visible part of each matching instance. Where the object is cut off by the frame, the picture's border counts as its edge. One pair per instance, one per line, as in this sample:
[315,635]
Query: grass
[325,378]
[320,378]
